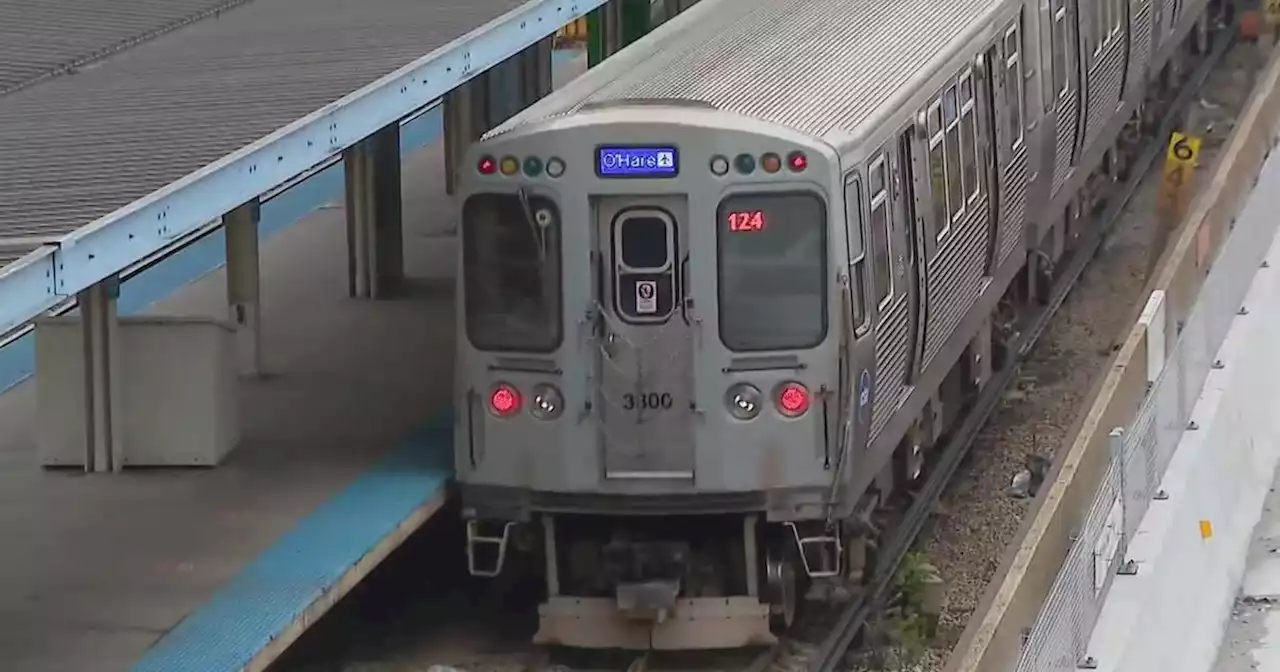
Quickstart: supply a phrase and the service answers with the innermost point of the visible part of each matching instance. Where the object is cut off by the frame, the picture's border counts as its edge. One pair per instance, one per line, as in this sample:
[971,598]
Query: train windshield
[511,272]
[772,270]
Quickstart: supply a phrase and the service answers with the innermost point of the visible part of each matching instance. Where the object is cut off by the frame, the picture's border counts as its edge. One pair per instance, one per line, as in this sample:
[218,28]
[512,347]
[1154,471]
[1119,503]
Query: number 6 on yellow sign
[1185,149]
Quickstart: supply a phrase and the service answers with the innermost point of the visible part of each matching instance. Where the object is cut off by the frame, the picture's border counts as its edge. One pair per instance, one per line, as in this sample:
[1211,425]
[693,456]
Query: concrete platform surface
[98,568]
[1251,639]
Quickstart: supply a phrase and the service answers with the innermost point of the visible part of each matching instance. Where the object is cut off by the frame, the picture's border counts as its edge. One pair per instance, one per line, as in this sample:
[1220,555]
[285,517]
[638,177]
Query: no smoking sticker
[646,297]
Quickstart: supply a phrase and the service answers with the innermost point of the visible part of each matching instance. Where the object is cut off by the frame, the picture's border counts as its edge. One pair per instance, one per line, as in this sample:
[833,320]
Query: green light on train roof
[532,166]
[745,163]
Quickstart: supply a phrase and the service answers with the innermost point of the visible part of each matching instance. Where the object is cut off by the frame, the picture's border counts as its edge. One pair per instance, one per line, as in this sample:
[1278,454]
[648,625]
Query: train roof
[820,67]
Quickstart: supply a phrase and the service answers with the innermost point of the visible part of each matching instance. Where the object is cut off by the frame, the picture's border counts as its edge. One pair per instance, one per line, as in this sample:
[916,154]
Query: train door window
[951,120]
[644,253]
[857,255]
[1059,42]
[881,245]
[1013,79]
[968,138]
[937,173]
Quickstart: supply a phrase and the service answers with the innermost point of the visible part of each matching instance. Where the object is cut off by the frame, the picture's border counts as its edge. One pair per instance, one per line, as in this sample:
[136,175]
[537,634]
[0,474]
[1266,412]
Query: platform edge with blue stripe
[315,564]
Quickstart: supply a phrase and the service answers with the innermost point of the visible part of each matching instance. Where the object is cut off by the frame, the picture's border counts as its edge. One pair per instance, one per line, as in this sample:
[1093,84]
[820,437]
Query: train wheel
[782,586]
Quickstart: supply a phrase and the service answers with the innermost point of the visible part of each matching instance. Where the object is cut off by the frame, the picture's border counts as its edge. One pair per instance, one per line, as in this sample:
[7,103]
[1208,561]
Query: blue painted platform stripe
[276,589]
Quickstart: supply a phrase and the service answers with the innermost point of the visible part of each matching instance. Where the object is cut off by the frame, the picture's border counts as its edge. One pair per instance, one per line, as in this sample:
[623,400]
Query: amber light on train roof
[509,166]
[771,163]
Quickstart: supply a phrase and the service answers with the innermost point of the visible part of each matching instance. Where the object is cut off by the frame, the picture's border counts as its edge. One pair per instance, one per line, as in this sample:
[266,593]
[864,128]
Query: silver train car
[721,296]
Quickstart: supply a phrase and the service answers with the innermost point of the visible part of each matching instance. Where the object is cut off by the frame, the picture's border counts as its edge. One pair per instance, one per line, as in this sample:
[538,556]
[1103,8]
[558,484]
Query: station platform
[211,566]
[346,450]
[1251,639]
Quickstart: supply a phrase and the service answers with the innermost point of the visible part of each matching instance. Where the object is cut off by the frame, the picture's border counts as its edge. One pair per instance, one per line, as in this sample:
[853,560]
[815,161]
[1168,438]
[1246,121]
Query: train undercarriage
[666,583]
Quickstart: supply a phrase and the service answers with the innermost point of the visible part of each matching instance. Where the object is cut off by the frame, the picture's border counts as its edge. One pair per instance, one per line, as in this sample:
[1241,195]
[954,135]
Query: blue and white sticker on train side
[864,388]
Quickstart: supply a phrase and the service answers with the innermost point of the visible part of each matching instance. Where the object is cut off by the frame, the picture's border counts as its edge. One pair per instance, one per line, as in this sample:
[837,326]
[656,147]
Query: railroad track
[863,607]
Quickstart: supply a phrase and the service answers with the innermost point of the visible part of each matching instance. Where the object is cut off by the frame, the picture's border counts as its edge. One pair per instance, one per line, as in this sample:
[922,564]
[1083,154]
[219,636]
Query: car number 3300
[649,401]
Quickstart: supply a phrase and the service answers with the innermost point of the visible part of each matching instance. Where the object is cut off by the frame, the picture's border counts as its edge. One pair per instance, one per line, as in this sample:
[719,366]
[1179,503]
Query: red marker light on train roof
[504,400]
[797,161]
[793,399]
[486,165]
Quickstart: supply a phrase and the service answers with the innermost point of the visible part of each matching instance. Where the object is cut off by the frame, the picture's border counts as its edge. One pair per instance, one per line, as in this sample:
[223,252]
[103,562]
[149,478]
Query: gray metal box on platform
[173,388]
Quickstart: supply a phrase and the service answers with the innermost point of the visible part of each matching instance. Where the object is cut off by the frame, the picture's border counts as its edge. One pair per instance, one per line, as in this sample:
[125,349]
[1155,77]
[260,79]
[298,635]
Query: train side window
[955,188]
[1059,41]
[881,247]
[1099,25]
[1103,19]
[857,255]
[937,173]
[1013,79]
[968,138]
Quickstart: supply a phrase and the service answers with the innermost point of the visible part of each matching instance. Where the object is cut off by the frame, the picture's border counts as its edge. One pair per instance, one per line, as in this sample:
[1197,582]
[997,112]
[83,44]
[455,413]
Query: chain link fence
[1140,453]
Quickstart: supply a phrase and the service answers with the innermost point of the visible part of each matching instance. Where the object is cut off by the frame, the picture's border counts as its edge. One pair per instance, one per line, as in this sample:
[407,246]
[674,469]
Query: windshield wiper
[533,226]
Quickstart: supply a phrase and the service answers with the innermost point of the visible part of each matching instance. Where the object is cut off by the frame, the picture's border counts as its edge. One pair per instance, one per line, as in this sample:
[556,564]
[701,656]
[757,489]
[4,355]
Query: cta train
[722,296]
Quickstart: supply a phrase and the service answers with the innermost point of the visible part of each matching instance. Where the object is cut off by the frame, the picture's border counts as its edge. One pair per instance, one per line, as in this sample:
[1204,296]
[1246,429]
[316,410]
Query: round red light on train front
[793,399]
[504,400]
[797,161]
[486,165]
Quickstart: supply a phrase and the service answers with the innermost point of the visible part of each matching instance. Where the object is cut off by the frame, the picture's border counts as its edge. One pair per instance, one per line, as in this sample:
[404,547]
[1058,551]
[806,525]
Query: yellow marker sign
[1272,8]
[1206,529]
[1179,165]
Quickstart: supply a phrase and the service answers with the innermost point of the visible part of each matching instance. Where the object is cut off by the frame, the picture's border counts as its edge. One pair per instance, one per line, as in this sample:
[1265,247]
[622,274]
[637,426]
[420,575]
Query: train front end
[648,371]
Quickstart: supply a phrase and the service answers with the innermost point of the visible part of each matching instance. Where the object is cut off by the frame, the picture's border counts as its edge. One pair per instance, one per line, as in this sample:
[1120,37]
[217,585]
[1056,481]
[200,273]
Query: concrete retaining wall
[1190,549]
[992,640]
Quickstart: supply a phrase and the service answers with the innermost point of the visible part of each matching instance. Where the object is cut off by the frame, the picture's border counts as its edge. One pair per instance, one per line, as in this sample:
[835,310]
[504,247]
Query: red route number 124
[746,221]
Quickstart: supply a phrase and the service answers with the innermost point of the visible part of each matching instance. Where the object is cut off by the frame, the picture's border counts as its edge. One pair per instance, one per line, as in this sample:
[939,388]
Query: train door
[908,260]
[999,144]
[645,359]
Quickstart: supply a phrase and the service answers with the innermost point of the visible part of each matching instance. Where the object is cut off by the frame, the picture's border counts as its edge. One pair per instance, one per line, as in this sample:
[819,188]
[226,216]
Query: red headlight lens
[793,399]
[504,400]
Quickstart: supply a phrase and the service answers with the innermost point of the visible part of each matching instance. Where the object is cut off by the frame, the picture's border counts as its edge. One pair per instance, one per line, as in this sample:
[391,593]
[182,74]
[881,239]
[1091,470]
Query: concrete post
[535,67]
[375,235]
[243,284]
[465,113]
[518,82]
[504,88]
[100,337]
[613,26]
